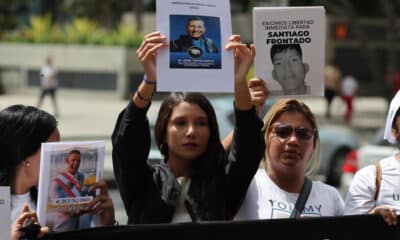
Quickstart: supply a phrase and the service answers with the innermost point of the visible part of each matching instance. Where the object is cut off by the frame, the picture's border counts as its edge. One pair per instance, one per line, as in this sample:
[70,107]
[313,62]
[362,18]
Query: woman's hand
[244,56]
[387,213]
[102,204]
[259,93]
[26,215]
[147,53]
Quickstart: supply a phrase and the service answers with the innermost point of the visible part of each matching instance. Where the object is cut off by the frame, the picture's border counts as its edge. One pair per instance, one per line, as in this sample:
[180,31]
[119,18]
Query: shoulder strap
[378,179]
[302,199]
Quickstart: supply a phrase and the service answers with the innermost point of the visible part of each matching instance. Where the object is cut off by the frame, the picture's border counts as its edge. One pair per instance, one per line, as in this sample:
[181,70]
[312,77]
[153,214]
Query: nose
[288,69]
[191,130]
[293,138]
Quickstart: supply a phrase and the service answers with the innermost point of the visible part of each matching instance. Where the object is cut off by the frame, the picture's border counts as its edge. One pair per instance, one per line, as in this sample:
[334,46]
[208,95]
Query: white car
[369,154]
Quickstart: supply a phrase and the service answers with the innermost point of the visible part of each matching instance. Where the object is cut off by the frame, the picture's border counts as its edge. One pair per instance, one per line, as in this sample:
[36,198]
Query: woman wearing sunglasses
[292,153]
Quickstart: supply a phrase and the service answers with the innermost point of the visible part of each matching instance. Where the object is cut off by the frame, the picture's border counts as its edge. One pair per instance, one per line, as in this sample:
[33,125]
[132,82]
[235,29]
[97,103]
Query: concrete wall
[17,59]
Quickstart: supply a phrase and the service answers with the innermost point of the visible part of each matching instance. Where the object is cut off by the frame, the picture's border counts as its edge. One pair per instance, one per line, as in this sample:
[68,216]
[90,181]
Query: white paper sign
[290,44]
[196,59]
[67,171]
[5,213]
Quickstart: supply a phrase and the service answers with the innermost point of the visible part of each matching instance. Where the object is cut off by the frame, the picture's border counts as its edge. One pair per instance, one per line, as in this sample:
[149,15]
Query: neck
[180,167]
[20,183]
[300,90]
[289,182]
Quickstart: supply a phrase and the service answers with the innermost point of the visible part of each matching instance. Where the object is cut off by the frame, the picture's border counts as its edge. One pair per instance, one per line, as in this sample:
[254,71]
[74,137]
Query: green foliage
[79,31]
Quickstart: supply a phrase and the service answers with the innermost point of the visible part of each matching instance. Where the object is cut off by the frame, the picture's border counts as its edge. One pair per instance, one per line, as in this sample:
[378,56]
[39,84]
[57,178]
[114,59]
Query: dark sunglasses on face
[284,131]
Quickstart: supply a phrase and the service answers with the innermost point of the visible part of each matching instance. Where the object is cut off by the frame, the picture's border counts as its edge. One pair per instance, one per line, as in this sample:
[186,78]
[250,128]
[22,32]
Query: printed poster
[195,60]
[5,212]
[67,171]
[290,44]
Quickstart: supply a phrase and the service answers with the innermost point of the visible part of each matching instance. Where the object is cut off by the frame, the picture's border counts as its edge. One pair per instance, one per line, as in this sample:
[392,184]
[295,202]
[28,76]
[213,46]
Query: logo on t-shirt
[284,209]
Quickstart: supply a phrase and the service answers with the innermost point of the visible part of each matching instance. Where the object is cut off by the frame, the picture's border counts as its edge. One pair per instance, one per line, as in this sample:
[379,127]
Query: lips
[190,145]
[291,153]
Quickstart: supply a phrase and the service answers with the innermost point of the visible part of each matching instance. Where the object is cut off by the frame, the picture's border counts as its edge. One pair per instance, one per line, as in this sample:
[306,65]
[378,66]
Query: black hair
[194,18]
[205,168]
[22,130]
[277,48]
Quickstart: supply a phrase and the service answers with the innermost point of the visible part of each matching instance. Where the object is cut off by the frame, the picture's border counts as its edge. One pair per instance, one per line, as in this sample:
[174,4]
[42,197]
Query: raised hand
[259,93]
[147,53]
[244,56]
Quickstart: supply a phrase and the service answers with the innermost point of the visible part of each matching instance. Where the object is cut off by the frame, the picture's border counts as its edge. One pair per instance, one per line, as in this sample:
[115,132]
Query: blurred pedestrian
[349,87]
[48,84]
[333,77]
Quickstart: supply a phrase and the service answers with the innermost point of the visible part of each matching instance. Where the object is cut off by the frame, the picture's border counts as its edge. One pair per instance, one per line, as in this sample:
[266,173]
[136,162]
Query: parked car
[375,150]
[336,142]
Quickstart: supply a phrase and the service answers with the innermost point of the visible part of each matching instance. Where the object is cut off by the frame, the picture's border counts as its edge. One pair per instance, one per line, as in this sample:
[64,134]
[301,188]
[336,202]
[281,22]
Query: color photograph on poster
[196,42]
[195,59]
[67,172]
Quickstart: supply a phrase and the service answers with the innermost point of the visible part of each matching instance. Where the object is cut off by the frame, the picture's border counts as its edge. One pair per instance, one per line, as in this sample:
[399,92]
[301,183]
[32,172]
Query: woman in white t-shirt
[292,151]
[365,195]
[22,130]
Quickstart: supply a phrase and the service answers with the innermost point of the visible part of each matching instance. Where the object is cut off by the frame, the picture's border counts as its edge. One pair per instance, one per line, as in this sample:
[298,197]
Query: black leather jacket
[150,192]
[185,42]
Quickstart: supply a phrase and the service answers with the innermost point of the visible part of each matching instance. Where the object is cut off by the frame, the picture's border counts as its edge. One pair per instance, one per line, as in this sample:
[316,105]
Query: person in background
[333,77]
[198,180]
[48,84]
[292,154]
[375,188]
[22,130]
[349,87]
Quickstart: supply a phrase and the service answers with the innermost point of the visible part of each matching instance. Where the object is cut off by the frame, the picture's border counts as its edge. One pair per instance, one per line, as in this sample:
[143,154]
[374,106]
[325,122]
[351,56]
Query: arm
[248,143]
[259,94]
[360,198]
[131,135]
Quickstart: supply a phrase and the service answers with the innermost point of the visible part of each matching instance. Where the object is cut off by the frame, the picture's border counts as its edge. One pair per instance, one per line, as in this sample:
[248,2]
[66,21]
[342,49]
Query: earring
[27,163]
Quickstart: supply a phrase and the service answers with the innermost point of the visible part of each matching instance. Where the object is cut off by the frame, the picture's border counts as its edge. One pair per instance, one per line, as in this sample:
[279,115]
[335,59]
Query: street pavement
[91,115]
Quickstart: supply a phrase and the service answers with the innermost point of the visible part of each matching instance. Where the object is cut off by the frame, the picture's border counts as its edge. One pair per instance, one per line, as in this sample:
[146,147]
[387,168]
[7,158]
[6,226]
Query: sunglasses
[284,131]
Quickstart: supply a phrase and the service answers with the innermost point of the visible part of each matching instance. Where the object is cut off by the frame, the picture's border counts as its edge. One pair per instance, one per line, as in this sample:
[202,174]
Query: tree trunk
[137,9]
[391,30]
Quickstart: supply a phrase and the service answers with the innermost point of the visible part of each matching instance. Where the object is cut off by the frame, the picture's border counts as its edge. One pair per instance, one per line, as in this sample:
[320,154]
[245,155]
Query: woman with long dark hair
[197,180]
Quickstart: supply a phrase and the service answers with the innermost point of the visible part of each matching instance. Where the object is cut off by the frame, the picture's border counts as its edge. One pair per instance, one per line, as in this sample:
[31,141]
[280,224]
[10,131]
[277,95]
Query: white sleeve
[248,210]
[339,211]
[360,198]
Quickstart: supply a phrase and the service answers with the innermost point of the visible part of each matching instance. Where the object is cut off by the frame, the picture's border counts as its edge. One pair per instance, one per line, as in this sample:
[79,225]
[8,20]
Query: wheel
[336,165]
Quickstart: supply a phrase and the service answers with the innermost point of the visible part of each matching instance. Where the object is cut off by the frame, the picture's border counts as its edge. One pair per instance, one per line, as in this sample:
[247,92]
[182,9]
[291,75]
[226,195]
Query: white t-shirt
[265,200]
[46,72]
[17,203]
[181,214]
[360,197]
[349,86]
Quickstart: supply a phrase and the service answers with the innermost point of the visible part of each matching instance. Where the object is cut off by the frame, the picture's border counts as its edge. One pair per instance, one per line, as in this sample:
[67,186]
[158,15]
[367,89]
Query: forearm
[131,144]
[246,151]
[143,94]
[242,94]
